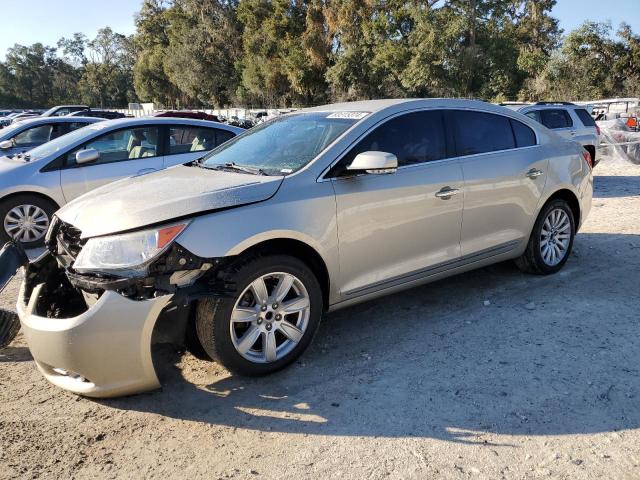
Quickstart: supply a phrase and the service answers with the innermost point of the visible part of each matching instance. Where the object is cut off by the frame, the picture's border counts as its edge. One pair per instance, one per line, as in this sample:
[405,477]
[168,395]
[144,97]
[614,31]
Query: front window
[33,136]
[285,144]
[63,142]
[121,145]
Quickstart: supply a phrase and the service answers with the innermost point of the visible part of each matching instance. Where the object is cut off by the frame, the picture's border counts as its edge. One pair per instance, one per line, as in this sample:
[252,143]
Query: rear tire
[551,240]
[276,307]
[36,210]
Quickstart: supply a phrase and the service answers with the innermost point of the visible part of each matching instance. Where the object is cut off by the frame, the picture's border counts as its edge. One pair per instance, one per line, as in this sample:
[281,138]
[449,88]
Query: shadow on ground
[15,354]
[616,186]
[549,355]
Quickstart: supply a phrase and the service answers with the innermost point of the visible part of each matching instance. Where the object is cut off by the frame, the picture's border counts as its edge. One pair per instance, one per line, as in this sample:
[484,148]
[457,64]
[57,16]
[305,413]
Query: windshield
[61,143]
[285,144]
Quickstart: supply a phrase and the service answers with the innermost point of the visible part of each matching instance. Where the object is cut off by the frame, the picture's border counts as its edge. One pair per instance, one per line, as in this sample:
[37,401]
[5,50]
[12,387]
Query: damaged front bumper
[102,352]
[92,335]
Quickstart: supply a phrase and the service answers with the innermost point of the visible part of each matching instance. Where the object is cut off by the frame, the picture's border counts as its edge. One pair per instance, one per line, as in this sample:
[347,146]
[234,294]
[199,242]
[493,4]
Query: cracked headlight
[128,253]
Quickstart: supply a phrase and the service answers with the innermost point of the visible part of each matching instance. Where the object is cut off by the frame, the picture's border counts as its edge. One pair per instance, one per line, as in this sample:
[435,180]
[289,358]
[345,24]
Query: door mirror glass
[6,144]
[374,162]
[87,156]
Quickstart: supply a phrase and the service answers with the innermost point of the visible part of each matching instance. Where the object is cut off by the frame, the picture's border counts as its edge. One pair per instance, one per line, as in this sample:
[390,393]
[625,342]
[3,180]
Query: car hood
[162,196]
[8,163]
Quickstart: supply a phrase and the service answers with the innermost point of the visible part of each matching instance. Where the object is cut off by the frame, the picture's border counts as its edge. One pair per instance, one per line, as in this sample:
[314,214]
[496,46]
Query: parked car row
[11,117]
[238,253]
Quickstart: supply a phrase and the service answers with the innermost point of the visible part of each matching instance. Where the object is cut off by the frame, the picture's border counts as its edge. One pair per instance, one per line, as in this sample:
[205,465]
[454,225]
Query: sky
[30,21]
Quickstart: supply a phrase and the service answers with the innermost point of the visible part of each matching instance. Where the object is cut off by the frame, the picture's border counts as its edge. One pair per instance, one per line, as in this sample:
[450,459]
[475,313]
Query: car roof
[374,106]
[126,122]
[550,106]
[37,120]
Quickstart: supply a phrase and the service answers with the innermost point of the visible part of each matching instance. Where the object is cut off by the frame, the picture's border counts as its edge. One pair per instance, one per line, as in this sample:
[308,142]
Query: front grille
[68,242]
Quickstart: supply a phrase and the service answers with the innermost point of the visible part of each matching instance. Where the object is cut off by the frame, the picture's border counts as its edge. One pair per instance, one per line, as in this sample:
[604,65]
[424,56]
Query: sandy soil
[493,374]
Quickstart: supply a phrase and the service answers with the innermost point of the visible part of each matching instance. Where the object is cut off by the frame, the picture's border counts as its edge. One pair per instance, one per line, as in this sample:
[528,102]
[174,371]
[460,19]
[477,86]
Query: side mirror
[87,156]
[374,162]
[6,144]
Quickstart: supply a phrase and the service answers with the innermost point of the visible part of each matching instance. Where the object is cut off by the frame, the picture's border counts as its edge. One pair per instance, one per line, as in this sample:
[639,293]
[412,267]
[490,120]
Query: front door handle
[534,173]
[445,193]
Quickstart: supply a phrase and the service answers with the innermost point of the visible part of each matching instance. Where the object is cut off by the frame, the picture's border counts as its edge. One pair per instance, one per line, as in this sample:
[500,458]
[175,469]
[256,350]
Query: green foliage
[305,52]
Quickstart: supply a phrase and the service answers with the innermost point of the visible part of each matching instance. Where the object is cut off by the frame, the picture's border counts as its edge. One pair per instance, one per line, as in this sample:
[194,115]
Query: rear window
[585,118]
[525,137]
[553,118]
[479,132]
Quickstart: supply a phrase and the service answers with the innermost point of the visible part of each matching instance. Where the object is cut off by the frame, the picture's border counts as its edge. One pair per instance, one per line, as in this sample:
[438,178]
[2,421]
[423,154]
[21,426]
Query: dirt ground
[492,374]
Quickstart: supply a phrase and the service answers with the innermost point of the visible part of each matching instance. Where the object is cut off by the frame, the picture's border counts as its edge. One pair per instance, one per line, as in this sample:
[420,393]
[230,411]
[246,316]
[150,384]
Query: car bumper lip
[103,352]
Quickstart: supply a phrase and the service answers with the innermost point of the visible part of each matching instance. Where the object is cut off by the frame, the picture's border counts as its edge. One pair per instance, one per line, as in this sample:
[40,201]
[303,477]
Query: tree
[108,74]
[150,77]
[203,49]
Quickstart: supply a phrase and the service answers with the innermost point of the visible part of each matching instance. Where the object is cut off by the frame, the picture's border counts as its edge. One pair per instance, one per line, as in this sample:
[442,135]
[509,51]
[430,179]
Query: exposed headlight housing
[127,254]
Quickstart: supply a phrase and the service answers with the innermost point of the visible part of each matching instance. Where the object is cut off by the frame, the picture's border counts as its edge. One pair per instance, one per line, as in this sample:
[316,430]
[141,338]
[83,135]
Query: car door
[190,142]
[123,153]
[394,228]
[504,175]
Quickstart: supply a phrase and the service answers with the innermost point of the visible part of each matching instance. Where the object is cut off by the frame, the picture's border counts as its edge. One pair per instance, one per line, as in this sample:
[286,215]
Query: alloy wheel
[555,237]
[270,317]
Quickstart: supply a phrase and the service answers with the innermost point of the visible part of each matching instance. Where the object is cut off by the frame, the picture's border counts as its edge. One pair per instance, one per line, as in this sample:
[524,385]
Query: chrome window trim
[323,175]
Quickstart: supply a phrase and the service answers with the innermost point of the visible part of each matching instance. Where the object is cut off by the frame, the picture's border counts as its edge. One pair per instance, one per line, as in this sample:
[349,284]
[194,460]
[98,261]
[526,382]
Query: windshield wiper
[238,168]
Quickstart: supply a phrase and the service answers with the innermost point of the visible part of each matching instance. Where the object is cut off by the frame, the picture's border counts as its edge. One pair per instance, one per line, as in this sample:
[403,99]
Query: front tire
[551,240]
[269,319]
[25,218]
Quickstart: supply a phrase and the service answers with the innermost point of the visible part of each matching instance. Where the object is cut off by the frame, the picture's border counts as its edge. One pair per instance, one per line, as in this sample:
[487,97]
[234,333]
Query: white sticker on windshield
[349,115]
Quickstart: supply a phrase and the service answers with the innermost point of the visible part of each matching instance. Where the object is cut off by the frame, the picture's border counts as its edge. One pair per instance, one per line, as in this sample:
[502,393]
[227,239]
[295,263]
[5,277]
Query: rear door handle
[534,173]
[446,193]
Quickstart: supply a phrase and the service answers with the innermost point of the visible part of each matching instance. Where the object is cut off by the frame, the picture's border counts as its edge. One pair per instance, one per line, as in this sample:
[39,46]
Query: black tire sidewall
[24,199]
[537,231]
[213,316]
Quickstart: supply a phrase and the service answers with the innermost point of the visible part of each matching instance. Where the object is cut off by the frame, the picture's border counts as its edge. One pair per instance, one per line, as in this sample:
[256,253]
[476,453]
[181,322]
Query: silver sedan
[35,184]
[239,255]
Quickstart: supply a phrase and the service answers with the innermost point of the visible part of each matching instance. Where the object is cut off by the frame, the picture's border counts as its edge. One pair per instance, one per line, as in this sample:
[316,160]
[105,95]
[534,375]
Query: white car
[37,183]
[568,120]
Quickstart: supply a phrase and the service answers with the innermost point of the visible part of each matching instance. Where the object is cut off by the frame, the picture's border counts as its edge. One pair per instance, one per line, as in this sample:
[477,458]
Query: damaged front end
[91,331]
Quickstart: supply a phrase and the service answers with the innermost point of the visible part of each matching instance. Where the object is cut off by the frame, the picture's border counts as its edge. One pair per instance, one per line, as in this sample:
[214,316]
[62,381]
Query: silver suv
[568,120]
[239,254]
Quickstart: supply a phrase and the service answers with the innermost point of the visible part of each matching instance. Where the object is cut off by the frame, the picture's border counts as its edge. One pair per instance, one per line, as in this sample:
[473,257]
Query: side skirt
[480,259]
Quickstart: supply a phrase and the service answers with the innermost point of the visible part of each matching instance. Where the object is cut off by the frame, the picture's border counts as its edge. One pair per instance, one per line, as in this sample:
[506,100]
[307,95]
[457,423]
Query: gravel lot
[493,374]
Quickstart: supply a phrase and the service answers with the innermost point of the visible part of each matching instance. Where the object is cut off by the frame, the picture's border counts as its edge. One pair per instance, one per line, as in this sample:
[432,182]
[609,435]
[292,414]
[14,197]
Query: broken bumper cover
[102,352]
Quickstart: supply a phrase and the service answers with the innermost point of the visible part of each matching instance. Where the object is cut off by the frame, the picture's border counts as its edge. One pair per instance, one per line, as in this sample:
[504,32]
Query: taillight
[632,122]
[597,130]
[587,158]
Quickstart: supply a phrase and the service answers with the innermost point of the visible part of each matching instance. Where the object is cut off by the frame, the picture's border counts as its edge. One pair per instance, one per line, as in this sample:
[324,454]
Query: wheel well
[569,197]
[35,194]
[303,252]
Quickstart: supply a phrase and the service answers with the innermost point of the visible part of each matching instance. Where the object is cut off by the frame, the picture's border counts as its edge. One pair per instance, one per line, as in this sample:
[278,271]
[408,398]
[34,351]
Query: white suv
[568,120]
